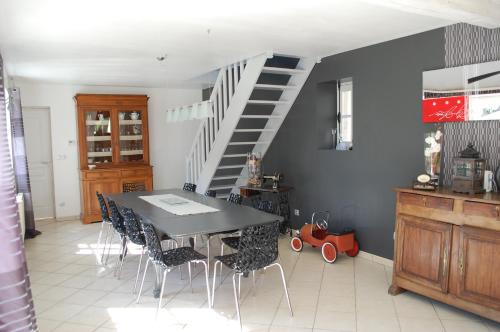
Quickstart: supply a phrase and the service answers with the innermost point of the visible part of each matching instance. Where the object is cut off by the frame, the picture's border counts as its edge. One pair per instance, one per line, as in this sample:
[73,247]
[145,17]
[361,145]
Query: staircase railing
[220,98]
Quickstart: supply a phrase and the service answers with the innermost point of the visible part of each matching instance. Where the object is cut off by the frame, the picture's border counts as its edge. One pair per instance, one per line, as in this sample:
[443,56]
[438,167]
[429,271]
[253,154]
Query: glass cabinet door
[131,139]
[98,136]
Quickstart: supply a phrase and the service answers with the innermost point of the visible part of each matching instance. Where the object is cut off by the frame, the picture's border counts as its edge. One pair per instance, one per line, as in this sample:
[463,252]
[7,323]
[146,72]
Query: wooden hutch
[448,248]
[113,147]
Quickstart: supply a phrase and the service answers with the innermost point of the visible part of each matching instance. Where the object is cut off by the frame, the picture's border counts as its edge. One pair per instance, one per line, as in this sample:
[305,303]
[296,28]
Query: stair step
[231,166]
[221,187]
[267,102]
[225,196]
[274,87]
[248,143]
[279,70]
[261,116]
[236,155]
[251,130]
[225,177]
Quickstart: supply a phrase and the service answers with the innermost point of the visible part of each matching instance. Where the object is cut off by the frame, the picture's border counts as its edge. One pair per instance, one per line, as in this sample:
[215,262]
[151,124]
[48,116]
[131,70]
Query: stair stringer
[282,110]
[236,107]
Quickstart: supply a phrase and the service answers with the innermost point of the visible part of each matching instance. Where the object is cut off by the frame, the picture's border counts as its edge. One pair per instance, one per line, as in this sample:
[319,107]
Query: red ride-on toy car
[317,235]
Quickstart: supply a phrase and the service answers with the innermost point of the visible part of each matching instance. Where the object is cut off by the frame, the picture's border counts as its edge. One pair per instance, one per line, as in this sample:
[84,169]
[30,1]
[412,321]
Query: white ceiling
[115,42]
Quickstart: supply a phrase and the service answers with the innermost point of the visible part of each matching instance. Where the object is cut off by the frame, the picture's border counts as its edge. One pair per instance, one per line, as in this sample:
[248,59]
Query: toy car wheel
[354,251]
[296,244]
[329,252]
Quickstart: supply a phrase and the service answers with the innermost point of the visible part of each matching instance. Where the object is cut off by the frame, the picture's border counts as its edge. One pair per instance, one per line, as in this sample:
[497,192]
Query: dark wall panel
[356,186]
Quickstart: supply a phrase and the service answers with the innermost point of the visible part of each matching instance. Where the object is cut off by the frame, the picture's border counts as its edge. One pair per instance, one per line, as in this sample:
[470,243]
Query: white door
[39,152]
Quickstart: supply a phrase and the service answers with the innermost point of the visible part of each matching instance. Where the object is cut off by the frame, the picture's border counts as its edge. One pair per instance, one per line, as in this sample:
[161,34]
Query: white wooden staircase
[250,100]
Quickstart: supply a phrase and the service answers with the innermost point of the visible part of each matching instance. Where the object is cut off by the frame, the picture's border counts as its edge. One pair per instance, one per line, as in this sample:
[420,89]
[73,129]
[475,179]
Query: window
[344,115]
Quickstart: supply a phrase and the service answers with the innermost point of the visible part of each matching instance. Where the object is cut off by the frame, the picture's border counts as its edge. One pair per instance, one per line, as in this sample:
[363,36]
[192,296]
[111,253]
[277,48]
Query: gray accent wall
[356,186]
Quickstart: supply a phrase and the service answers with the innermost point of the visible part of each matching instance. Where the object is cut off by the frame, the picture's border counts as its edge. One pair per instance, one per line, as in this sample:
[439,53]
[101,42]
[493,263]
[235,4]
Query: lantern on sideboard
[468,171]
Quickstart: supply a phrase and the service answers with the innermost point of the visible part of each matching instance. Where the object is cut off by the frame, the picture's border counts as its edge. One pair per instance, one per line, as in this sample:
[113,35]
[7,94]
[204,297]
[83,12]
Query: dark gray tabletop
[230,216]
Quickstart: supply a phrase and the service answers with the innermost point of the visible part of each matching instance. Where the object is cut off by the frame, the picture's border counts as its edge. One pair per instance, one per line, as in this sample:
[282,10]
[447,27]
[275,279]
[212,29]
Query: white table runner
[178,205]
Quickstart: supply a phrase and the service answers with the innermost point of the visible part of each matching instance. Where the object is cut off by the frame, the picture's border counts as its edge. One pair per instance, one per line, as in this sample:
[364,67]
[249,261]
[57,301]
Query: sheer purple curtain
[21,160]
[17,313]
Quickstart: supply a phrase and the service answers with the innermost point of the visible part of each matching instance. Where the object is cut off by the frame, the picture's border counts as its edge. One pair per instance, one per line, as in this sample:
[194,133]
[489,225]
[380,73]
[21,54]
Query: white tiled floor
[74,294]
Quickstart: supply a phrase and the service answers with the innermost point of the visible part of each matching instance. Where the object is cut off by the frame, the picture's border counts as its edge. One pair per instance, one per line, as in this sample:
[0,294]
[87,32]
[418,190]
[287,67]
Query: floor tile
[47,325]
[491,325]
[62,311]
[420,325]
[85,297]
[115,300]
[464,325]
[53,279]
[288,329]
[445,311]
[375,324]
[94,316]
[302,317]
[77,282]
[56,293]
[334,320]
[72,293]
[70,327]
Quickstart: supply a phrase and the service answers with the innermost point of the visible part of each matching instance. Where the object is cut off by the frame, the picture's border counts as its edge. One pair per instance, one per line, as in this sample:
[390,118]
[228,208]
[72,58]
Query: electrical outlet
[296,212]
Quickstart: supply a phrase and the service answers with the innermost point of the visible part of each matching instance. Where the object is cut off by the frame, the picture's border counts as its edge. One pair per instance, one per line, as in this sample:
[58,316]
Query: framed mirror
[459,94]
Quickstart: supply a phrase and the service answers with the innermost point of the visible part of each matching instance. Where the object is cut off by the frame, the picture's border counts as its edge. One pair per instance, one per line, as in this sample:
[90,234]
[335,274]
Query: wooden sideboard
[113,143]
[447,247]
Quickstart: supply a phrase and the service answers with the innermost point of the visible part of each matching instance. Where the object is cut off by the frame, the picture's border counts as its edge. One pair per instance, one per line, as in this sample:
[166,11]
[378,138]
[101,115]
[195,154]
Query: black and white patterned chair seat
[169,258]
[231,241]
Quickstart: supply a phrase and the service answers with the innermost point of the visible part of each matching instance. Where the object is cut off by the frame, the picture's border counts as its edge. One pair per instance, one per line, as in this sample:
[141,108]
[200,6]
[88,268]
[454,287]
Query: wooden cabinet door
[105,186]
[422,251]
[479,266]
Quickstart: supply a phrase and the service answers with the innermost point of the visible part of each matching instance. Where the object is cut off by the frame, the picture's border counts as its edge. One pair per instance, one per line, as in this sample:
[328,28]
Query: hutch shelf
[113,146]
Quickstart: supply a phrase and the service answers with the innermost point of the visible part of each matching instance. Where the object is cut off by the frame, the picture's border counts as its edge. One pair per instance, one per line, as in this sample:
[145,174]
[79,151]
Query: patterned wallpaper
[467,44]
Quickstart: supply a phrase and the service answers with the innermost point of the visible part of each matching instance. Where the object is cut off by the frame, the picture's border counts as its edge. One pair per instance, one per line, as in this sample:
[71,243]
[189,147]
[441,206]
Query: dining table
[208,215]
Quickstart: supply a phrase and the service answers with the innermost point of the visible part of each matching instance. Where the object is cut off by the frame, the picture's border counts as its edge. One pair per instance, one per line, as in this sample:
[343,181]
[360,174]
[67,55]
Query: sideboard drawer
[439,203]
[137,172]
[482,209]
[100,174]
[432,202]
[412,199]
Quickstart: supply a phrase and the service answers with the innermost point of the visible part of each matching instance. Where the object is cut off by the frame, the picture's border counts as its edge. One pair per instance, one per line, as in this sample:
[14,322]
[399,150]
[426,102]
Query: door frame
[43,109]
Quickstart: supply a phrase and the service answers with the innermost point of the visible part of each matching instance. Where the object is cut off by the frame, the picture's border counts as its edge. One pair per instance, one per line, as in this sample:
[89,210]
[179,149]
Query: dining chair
[208,193]
[189,187]
[169,259]
[235,199]
[257,249]
[211,193]
[135,235]
[234,241]
[192,188]
[118,227]
[106,223]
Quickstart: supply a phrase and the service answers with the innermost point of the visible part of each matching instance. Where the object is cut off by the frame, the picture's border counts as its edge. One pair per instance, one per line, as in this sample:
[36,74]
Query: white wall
[169,143]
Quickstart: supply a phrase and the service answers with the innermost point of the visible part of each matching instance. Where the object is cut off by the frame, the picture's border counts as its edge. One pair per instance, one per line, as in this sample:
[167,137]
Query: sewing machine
[276,178]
